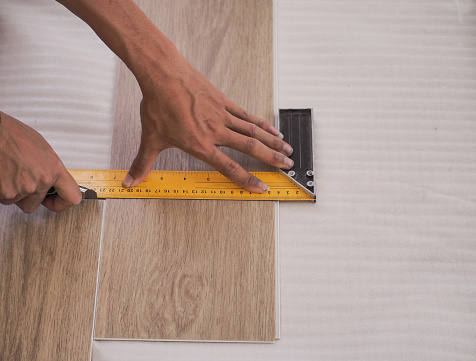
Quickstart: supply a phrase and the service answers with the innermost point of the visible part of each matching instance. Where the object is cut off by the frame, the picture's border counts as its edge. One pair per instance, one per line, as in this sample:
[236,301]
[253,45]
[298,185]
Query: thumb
[140,167]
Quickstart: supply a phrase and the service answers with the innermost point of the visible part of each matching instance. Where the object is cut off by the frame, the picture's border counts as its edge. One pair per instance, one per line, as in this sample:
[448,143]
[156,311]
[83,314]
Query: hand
[29,168]
[181,108]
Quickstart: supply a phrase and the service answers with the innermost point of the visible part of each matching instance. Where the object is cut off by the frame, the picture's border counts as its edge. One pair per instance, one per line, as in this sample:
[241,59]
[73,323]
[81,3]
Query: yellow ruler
[189,185]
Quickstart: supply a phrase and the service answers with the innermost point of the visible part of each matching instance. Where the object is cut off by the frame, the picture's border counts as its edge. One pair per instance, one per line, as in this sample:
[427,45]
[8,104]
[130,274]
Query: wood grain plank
[169,271]
[48,271]
[194,270]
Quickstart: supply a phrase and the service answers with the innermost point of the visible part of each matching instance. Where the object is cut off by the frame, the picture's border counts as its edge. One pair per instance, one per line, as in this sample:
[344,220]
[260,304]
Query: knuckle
[214,127]
[7,194]
[29,188]
[277,143]
[251,144]
[245,114]
[252,181]
[231,167]
[138,166]
[196,146]
[45,181]
[253,130]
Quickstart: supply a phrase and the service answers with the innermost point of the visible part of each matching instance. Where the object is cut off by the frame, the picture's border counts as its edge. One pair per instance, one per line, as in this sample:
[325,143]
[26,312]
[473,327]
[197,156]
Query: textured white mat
[383,267]
[58,77]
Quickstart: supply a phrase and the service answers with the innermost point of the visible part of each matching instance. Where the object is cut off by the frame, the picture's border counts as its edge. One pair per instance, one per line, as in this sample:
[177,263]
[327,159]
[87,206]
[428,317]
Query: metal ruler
[99,184]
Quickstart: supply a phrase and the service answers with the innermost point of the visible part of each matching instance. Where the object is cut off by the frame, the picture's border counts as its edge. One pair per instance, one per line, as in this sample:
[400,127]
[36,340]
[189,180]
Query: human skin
[180,108]
[29,167]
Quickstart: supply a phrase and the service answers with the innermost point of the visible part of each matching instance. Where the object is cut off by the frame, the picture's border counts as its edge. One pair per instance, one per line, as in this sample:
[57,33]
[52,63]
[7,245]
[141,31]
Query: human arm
[180,107]
[29,168]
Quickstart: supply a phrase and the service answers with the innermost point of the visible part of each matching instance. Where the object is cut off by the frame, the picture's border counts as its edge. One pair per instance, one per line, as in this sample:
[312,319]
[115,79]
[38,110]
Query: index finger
[68,193]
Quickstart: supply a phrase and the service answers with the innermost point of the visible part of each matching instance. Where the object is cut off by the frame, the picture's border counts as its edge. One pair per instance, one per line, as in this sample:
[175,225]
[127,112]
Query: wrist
[154,60]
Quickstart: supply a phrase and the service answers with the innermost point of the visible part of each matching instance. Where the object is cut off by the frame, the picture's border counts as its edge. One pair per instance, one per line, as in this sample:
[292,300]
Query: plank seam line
[103,222]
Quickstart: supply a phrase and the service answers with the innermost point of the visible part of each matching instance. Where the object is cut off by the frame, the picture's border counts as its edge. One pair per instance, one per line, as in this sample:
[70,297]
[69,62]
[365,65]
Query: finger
[141,166]
[240,113]
[233,171]
[31,203]
[252,130]
[10,201]
[68,193]
[13,200]
[254,148]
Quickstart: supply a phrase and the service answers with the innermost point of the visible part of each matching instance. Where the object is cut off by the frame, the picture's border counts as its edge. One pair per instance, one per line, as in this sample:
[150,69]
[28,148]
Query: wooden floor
[196,270]
[193,270]
[48,273]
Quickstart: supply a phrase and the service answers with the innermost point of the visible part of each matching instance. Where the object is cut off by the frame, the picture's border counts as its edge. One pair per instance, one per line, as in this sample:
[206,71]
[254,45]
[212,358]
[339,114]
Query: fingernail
[128,180]
[273,130]
[288,149]
[288,162]
[264,187]
[280,135]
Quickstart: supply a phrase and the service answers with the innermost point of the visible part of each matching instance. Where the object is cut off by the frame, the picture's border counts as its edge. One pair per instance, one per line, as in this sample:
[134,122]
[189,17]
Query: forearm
[127,31]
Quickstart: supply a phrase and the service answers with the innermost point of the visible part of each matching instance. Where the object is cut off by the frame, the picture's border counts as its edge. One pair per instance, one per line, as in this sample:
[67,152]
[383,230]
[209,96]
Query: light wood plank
[171,270]
[48,271]
[194,270]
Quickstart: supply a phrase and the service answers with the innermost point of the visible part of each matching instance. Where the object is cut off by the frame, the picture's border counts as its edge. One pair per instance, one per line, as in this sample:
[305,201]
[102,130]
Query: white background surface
[59,78]
[383,266]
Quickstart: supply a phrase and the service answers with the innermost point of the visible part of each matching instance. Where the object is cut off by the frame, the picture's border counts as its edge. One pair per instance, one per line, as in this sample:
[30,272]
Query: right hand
[29,167]
[182,109]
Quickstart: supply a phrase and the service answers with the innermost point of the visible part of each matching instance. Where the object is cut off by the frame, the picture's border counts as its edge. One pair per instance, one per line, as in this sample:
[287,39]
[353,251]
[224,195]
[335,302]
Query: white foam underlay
[383,266]
[56,76]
